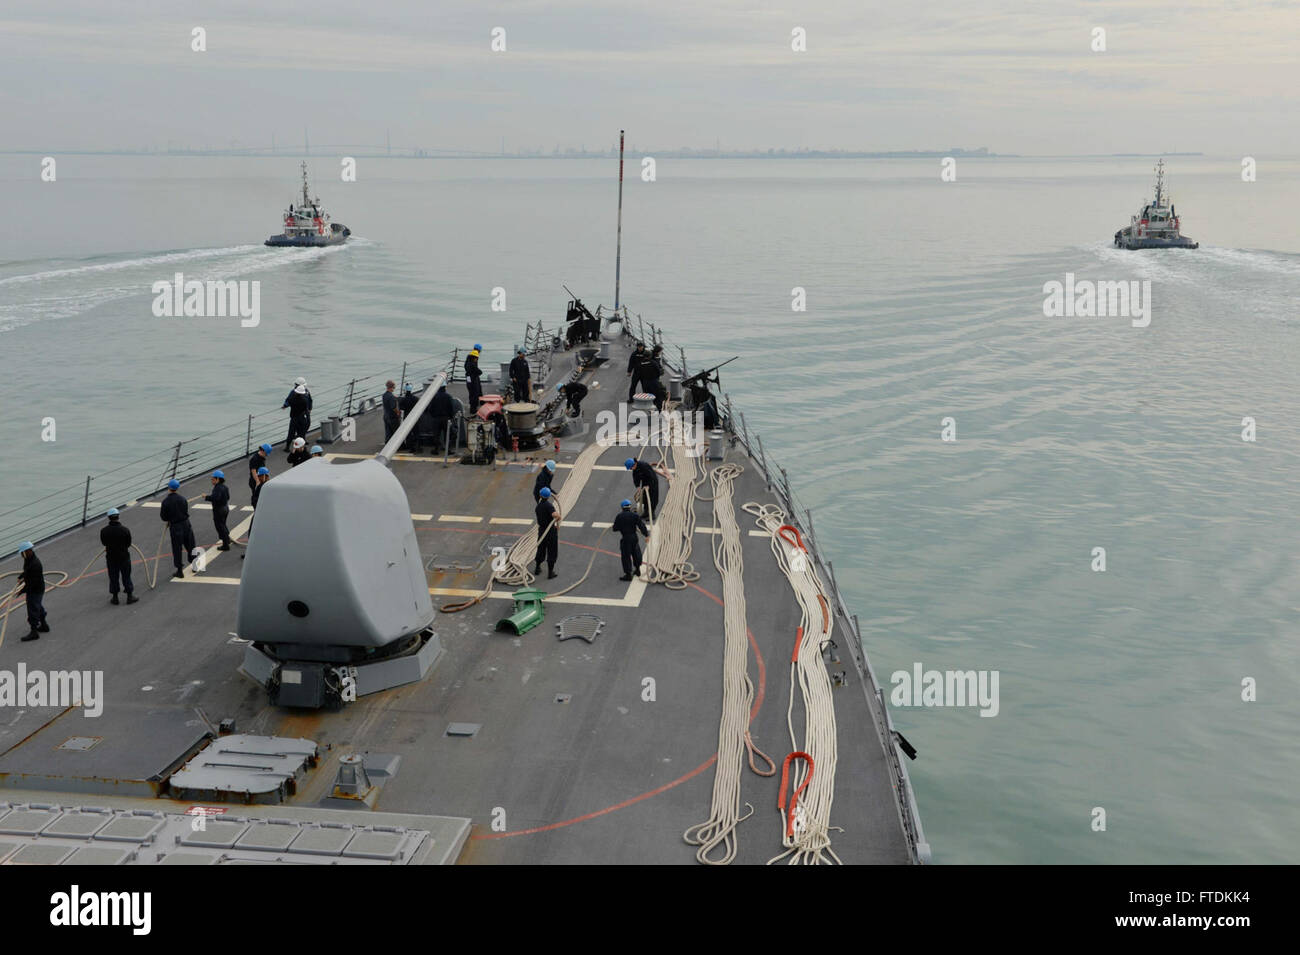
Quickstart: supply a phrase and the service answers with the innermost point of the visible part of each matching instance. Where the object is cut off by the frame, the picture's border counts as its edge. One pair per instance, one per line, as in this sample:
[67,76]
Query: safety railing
[73,506]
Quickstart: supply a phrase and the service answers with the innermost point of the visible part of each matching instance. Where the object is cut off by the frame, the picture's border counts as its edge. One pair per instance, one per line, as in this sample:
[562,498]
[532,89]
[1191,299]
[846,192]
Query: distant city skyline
[1026,79]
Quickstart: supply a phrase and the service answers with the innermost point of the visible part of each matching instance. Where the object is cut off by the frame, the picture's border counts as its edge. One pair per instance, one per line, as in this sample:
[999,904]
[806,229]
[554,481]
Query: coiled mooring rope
[805,821]
[719,830]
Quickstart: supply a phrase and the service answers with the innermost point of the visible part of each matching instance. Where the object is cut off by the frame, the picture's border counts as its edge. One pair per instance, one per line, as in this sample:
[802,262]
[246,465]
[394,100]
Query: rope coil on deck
[737,688]
[515,570]
[667,556]
[805,827]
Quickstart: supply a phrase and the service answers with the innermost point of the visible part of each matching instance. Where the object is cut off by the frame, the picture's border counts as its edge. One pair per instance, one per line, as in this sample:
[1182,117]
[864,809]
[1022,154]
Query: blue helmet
[266,448]
[407,386]
[550,465]
[261,471]
[521,350]
[173,484]
[546,492]
[219,474]
[478,347]
[113,512]
[25,546]
[317,449]
[625,503]
[630,463]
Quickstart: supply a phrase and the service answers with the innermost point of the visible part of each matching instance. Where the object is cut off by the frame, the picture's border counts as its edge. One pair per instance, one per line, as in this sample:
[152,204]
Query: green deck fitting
[529,612]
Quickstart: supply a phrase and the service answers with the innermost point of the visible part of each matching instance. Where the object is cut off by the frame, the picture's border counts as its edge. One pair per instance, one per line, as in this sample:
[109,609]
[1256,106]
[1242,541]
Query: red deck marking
[600,812]
[759,696]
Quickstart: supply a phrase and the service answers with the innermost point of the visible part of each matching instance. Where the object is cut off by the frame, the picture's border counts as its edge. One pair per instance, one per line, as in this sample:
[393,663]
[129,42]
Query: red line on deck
[759,695]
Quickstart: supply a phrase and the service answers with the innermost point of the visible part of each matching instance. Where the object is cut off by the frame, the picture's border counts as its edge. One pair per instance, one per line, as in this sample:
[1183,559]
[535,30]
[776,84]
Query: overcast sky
[1221,77]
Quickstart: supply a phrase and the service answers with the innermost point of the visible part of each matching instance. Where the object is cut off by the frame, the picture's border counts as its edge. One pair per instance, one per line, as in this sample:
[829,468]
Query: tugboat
[308,225]
[1156,226]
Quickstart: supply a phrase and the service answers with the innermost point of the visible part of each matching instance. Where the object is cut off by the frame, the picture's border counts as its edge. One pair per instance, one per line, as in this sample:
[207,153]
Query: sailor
[548,533]
[299,453]
[645,476]
[651,372]
[257,460]
[116,539]
[573,393]
[577,324]
[299,403]
[32,586]
[634,370]
[391,417]
[440,412]
[472,376]
[175,512]
[521,376]
[219,497]
[263,475]
[627,524]
[317,451]
[404,405]
[545,475]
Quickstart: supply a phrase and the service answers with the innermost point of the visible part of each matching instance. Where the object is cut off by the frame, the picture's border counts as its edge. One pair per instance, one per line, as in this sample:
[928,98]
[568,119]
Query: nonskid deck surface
[605,776]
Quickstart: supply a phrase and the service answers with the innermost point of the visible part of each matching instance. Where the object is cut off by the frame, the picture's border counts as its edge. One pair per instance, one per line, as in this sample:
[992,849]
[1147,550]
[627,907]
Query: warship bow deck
[568,762]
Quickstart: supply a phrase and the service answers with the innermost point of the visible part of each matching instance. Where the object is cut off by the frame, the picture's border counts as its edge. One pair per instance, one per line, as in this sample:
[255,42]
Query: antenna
[618,254]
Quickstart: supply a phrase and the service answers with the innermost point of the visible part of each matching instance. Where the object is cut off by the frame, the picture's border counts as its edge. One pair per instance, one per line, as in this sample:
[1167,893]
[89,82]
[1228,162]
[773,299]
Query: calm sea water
[1119,690]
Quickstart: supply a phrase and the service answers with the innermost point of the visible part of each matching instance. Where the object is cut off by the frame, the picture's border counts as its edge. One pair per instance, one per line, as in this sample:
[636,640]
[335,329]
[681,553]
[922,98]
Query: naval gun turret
[334,597]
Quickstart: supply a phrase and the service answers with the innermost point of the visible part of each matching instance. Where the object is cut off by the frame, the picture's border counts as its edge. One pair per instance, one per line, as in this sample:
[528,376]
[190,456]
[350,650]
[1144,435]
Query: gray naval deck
[569,763]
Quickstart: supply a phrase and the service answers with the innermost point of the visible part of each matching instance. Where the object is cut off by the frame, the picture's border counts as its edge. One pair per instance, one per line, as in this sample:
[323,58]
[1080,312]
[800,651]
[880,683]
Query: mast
[618,254]
[1160,182]
[305,201]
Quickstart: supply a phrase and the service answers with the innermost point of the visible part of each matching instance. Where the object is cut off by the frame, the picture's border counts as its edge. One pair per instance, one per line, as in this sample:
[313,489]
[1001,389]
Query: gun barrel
[701,375]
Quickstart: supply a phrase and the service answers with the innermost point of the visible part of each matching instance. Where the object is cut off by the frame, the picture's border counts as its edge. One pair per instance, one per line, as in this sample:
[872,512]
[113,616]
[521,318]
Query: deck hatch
[583,626]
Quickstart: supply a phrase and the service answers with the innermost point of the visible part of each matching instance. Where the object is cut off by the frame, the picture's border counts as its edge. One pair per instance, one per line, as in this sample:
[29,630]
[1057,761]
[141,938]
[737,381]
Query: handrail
[65,508]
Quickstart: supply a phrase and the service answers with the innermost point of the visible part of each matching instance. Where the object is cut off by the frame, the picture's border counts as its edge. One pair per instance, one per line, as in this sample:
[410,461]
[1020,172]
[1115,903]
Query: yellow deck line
[205,579]
[421,517]
[510,520]
[211,555]
[460,518]
[632,598]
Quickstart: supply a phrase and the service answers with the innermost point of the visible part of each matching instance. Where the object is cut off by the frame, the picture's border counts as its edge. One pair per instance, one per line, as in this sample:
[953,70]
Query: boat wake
[72,289]
[1232,281]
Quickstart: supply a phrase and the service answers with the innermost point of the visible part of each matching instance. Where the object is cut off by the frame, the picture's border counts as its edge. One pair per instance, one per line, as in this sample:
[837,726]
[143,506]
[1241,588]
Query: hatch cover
[584,626]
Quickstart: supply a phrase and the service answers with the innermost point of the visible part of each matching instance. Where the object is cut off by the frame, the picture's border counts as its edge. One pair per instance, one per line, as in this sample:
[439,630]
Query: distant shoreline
[327,152]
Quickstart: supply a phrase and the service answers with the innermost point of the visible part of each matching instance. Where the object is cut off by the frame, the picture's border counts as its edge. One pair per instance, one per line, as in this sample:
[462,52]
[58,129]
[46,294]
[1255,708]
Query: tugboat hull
[309,241]
[1125,241]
